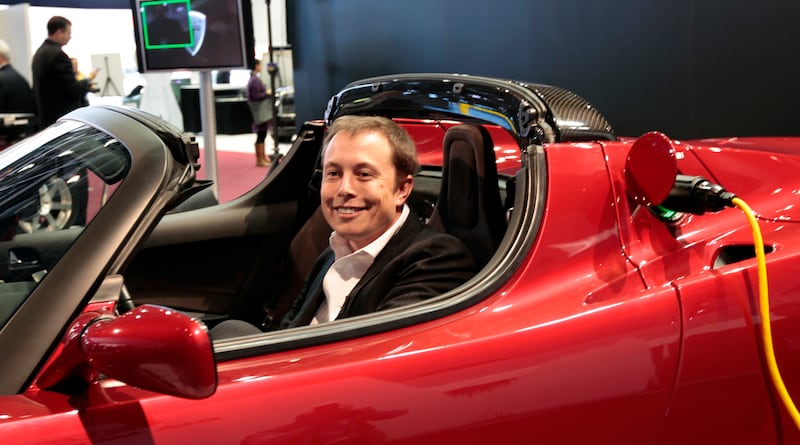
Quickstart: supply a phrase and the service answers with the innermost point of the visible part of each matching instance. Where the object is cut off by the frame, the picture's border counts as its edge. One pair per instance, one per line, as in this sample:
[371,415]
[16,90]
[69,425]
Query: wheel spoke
[51,222]
[61,206]
[25,226]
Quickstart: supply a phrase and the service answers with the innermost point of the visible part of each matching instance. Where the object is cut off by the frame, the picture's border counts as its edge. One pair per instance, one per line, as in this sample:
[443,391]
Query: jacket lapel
[313,294]
[396,245]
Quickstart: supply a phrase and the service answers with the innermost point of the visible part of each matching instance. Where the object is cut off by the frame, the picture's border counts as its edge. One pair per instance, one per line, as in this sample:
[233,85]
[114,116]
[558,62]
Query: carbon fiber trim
[535,113]
[574,118]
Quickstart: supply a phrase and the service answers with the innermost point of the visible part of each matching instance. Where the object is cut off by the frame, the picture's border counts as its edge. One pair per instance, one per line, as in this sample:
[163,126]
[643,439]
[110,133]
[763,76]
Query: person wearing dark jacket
[381,255]
[55,86]
[16,95]
[16,98]
[418,263]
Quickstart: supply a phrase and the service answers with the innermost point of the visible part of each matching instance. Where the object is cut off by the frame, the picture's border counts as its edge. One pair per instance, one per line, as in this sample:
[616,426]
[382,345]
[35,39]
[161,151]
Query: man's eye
[331,174]
[364,174]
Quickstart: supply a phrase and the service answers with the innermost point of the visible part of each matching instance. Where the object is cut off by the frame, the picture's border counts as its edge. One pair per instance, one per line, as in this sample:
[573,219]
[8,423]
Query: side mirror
[150,347]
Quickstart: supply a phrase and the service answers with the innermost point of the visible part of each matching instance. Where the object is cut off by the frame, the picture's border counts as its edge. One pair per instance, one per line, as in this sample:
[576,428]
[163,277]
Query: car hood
[763,171]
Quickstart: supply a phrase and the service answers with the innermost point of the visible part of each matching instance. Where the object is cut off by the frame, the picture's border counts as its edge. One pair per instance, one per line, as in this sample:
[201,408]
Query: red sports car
[621,299]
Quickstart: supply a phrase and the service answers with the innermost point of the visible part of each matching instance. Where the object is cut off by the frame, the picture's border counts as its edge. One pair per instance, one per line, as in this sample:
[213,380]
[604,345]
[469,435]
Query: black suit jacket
[16,95]
[55,87]
[418,263]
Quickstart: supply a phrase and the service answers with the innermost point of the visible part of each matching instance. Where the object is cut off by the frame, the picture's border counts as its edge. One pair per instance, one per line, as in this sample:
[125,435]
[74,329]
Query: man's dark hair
[404,151]
[57,23]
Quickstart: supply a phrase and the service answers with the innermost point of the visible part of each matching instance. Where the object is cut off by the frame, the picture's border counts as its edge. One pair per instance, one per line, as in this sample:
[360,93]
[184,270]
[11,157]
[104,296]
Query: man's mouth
[348,210]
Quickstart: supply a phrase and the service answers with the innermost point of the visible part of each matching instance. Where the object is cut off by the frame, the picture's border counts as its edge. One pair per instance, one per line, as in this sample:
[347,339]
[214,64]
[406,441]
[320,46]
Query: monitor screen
[193,34]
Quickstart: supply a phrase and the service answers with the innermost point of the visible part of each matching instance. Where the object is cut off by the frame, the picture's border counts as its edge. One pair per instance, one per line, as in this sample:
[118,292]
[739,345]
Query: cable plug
[697,195]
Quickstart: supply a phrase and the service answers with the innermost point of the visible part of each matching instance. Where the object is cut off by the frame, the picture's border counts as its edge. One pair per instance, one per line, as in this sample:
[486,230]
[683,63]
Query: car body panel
[743,165]
[524,378]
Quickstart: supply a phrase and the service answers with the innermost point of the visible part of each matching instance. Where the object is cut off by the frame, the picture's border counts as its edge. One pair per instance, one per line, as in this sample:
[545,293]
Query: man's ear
[404,188]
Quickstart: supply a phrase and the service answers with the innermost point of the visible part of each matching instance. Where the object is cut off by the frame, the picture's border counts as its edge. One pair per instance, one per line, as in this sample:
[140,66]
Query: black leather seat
[469,205]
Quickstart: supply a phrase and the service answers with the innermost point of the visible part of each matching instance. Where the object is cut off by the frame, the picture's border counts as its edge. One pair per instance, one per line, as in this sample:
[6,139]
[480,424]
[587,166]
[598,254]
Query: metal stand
[272,70]
[208,121]
[109,81]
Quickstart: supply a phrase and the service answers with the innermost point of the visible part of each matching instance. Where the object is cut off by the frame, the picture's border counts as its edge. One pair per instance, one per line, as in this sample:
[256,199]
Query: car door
[228,259]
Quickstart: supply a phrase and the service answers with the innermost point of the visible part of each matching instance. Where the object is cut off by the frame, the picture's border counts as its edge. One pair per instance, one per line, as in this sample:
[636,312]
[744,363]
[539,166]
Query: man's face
[360,194]
[64,35]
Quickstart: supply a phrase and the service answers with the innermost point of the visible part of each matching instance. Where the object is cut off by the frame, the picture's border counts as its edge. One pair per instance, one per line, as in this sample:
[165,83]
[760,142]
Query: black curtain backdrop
[690,68]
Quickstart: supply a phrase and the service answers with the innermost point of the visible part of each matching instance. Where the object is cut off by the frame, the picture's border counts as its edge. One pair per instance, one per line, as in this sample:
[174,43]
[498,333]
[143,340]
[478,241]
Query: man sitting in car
[381,255]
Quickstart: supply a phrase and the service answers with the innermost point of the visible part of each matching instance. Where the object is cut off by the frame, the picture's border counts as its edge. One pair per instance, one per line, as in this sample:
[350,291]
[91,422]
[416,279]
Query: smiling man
[381,255]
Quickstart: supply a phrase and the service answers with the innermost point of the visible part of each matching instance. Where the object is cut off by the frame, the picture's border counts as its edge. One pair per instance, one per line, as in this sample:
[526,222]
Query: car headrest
[469,205]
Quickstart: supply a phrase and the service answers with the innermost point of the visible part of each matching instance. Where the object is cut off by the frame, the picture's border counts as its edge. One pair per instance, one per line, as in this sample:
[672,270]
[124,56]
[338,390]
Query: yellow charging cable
[763,304]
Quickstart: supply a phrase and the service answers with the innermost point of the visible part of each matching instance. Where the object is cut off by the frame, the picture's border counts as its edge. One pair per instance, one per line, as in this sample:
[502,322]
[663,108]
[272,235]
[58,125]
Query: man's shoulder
[47,45]
[48,48]
[8,72]
[421,249]
[417,233]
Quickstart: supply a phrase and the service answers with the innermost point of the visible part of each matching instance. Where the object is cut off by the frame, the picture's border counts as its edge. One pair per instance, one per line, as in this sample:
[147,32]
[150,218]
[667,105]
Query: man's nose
[346,185]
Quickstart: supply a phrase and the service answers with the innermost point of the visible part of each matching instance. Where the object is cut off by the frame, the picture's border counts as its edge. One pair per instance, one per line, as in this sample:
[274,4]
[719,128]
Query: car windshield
[51,186]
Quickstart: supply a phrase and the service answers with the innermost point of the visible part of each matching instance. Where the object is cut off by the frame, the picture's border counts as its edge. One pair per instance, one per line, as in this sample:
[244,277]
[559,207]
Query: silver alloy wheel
[55,208]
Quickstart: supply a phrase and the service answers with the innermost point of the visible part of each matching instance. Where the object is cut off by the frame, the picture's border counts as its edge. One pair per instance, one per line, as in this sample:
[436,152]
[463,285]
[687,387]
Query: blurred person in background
[55,86]
[81,77]
[259,99]
[16,95]
[58,91]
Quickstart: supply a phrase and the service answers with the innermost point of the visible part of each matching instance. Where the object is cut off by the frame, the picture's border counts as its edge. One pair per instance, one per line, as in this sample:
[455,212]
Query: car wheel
[54,208]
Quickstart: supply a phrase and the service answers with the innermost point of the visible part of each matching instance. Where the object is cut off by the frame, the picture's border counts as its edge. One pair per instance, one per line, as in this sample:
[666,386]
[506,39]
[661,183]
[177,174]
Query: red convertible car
[621,299]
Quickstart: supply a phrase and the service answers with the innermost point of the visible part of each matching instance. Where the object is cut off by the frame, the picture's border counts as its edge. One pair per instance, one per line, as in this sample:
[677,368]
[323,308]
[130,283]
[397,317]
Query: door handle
[22,258]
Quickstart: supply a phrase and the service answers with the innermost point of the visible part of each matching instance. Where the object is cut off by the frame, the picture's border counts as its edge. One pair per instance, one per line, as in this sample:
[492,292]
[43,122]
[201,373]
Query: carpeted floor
[236,165]
[236,173]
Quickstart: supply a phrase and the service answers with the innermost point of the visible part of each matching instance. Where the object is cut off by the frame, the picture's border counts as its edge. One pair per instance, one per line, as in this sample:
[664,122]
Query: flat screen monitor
[193,34]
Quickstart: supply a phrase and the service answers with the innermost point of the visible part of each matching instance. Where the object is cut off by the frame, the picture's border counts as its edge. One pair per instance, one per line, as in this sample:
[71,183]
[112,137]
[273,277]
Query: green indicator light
[666,214]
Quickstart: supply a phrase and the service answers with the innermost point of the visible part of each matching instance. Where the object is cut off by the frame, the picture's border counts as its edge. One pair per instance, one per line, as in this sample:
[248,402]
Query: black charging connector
[696,195]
